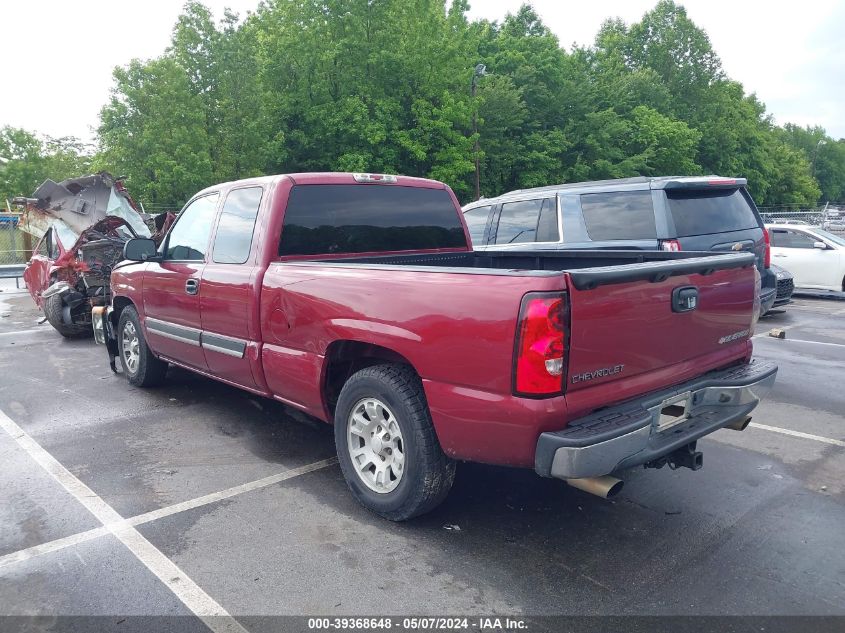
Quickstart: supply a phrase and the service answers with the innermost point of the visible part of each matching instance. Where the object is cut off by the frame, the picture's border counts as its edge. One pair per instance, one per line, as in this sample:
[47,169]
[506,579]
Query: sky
[57,56]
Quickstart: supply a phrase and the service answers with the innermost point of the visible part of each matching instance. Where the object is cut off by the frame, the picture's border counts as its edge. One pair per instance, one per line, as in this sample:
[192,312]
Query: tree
[153,130]
[32,160]
[384,85]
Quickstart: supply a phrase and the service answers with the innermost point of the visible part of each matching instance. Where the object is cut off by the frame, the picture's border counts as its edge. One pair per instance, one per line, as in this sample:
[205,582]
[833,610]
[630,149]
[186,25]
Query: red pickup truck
[357,299]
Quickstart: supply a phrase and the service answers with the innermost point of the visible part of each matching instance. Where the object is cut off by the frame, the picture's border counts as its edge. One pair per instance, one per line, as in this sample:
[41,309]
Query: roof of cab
[637,182]
[322,178]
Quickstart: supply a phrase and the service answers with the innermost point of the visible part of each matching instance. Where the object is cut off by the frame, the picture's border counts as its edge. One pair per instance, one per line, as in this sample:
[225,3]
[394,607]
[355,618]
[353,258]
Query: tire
[390,398]
[140,367]
[53,307]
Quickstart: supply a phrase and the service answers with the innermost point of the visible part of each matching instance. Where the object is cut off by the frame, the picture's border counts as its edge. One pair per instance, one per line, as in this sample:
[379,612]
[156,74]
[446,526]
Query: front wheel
[140,367]
[386,444]
[53,309]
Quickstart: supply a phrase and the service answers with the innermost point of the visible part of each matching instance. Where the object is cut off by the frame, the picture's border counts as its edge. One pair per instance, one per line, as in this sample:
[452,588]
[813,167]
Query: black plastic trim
[589,278]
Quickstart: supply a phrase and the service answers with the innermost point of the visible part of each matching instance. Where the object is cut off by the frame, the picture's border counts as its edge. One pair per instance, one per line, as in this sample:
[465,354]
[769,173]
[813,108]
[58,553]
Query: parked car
[785,286]
[815,257]
[706,213]
[358,299]
[834,220]
[81,225]
[792,221]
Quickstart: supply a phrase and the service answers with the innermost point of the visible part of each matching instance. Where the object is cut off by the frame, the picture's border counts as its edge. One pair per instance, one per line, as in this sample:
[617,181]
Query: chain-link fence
[829,217]
[13,242]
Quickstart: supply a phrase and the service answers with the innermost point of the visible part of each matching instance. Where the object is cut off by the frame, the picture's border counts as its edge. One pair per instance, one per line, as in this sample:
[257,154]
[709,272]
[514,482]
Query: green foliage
[153,130]
[384,85]
[32,160]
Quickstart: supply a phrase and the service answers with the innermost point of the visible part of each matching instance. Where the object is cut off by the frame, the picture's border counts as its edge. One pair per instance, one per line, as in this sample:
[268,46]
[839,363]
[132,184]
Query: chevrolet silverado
[357,298]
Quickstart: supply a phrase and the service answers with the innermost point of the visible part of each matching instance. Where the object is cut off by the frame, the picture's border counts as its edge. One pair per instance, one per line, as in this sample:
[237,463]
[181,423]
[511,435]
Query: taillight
[540,357]
[767,256]
[670,245]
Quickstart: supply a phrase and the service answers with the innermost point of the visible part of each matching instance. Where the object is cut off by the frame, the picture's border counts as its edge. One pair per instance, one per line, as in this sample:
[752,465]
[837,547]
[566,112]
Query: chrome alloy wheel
[375,445]
[131,347]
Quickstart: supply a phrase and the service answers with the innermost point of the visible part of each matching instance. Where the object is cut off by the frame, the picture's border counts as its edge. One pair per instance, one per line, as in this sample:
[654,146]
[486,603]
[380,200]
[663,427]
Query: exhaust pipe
[740,425]
[604,486]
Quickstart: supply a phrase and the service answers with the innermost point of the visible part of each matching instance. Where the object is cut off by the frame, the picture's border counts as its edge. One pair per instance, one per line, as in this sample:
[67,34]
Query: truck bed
[586,269]
[454,318]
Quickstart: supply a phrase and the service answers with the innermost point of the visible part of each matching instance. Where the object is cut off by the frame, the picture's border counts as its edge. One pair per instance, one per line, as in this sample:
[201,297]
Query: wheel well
[118,304]
[344,358]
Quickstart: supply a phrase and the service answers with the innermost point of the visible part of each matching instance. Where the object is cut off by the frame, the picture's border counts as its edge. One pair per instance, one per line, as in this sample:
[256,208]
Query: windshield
[836,239]
[67,236]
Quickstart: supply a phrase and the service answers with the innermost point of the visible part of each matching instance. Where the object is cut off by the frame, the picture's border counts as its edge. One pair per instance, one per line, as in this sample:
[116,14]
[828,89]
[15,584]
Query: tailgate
[627,321]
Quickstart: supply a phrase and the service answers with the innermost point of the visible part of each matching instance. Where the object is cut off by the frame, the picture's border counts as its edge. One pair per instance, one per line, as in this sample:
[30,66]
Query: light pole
[480,71]
[815,155]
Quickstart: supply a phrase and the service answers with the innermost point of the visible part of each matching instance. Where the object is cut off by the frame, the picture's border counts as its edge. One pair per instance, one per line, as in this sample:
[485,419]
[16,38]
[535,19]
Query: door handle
[192,286]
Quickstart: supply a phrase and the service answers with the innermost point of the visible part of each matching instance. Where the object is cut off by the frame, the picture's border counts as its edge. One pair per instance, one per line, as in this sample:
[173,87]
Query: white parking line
[806,436]
[192,596]
[23,332]
[229,492]
[798,340]
[52,546]
[147,517]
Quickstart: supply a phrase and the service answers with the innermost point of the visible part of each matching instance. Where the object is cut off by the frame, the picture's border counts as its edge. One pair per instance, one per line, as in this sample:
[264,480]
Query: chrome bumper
[630,434]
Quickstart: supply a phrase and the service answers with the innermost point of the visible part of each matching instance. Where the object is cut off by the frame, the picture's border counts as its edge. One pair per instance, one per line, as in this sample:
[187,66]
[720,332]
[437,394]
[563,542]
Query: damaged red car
[81,225]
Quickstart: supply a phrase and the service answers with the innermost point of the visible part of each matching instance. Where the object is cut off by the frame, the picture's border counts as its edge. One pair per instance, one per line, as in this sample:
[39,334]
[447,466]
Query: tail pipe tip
[605,486]
[740,425]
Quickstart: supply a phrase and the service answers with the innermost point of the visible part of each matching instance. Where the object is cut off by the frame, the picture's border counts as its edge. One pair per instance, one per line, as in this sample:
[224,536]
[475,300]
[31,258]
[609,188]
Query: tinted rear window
[627,215]
[368,218]
[702,212]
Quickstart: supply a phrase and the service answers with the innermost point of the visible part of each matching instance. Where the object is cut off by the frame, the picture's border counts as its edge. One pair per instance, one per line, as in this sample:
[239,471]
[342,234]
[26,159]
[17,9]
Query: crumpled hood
[78,204]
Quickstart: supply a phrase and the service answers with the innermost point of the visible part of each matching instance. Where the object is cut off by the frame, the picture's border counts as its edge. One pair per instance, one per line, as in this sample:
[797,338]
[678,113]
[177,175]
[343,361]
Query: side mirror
[820,245]
[140,249]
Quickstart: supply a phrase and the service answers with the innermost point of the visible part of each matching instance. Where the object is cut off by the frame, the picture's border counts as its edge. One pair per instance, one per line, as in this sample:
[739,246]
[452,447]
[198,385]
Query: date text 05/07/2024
[418,623]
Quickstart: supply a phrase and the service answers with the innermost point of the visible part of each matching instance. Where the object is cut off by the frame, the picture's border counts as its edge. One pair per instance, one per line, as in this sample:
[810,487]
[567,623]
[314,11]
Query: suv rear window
[701,212]
[627,215]
[323,219]
[476,220]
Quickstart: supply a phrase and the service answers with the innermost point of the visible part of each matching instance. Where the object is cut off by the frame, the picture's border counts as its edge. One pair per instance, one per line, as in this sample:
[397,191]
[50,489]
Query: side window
[547,230]
[518,222]
[625,215]
[476,220]
[791,239]
[188,239]
[236,226]
[43,247]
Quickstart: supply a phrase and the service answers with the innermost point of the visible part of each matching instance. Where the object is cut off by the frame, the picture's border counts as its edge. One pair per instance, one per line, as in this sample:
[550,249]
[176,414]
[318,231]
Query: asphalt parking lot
[197,498]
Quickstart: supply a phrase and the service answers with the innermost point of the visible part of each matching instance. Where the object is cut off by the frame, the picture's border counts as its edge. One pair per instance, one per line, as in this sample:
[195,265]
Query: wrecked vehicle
[81,225]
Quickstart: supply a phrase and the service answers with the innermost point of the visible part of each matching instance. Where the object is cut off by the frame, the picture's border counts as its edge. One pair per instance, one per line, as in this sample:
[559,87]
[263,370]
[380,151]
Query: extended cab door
[229,301]
[172,287]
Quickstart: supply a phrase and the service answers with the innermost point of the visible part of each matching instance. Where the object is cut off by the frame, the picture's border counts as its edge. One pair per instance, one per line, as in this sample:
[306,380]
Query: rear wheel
[140,366]
[53,309]
[386,444]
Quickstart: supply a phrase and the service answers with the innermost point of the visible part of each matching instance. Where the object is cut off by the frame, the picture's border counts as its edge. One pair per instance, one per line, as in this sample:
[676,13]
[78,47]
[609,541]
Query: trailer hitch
[684,457]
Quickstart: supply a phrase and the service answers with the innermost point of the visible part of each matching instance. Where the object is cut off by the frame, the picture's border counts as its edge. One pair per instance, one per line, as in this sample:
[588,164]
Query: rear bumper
[627,435]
